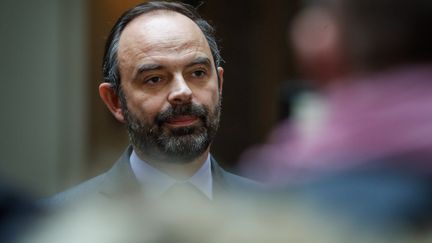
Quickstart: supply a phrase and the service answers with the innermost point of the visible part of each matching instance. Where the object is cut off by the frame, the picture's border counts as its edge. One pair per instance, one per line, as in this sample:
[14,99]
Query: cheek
[208,95]
[144,106]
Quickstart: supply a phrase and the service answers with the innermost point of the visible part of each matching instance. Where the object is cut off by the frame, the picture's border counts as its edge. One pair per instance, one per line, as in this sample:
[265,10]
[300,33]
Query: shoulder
[114,179]
[82,190]
[239,181]
[226,181]
[229,186]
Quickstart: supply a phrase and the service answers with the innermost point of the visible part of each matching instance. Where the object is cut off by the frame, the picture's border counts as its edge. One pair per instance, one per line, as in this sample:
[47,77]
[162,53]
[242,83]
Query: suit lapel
[120,179]
[220,182]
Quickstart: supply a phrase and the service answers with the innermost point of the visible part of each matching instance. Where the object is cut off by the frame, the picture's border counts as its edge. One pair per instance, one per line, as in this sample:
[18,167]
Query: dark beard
[173,145]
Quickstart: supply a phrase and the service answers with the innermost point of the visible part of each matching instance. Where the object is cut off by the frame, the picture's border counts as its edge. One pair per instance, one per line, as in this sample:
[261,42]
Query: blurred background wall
[55,130]
[44,98]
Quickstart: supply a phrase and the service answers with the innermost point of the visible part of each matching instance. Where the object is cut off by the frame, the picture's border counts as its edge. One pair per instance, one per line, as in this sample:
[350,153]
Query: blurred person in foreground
[369,153]
[233,221]
[18,213]
[163,79]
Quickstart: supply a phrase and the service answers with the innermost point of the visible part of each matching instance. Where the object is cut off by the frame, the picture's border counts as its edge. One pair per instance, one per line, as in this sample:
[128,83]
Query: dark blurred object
[289,92]
[17,213]
[380,34]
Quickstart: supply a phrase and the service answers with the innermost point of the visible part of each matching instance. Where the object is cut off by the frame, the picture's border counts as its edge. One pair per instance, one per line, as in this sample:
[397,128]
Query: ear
[220,73]
[111,100]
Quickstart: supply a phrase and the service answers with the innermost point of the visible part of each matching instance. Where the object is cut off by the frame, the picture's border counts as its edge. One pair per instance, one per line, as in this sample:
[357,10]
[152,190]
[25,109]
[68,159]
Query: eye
[198,73]
[153,80]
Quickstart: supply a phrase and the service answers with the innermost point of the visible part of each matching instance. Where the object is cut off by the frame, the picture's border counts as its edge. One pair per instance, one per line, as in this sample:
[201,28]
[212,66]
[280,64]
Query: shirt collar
[158,182]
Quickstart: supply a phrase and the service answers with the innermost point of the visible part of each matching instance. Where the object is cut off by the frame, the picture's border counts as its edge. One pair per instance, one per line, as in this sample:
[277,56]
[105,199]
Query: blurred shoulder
[84,189]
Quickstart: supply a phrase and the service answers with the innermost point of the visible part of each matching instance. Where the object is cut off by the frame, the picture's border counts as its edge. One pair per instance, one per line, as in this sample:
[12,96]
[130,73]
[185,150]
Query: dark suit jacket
[120,180]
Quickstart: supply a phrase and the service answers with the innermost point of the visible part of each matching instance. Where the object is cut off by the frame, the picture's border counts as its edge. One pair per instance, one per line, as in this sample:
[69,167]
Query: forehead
[161,33]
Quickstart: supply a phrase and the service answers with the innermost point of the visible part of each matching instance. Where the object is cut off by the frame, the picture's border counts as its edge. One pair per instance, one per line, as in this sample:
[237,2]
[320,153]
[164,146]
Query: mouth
[182,121]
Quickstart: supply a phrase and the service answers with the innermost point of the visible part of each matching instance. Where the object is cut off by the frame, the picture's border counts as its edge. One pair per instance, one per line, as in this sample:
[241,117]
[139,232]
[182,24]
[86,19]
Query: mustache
[182,110]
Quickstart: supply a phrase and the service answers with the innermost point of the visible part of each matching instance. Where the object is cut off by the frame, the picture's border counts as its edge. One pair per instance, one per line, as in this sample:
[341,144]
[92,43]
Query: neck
[180,171]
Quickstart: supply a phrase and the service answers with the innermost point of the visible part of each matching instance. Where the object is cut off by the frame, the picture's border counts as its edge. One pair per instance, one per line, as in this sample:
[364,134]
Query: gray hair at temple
[110,62]
[382,33]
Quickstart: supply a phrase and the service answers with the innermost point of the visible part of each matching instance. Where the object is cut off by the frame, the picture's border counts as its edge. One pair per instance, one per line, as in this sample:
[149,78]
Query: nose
[180,92]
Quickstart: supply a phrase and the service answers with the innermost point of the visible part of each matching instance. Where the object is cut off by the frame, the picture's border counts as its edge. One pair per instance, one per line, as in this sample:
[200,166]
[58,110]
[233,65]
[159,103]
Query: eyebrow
[148,67]
[151,67]
[200,61]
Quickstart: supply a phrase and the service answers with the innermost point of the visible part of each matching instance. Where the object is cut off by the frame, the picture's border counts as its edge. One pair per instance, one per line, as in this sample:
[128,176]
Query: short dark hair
[382,33]
[110,67]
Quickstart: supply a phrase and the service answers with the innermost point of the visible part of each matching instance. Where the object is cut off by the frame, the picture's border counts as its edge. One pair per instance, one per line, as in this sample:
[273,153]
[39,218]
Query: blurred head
[336,37]
[162,78]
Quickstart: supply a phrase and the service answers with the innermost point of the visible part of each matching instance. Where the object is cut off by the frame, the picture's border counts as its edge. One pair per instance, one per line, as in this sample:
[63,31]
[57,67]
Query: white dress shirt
[158,182]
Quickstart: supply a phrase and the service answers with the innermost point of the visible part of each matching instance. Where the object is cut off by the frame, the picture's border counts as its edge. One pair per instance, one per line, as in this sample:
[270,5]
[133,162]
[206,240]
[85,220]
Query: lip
[182,121]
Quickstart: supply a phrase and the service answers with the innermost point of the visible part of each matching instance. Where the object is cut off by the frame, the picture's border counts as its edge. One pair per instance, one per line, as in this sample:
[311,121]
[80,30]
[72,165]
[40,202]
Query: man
[162,78]
[369,155]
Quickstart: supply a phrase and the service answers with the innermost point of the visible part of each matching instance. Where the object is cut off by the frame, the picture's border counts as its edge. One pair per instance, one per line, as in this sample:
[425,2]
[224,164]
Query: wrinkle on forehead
[162,32]
[170,45]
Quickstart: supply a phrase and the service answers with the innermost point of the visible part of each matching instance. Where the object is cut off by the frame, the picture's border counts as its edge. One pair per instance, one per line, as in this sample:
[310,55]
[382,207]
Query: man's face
[169,87]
